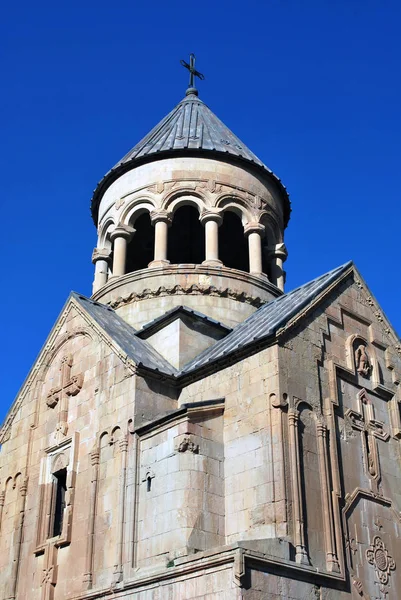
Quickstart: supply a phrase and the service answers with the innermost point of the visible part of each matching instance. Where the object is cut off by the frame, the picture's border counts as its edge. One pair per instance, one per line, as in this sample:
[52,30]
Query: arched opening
[233,245]
[141,247]
[186,239]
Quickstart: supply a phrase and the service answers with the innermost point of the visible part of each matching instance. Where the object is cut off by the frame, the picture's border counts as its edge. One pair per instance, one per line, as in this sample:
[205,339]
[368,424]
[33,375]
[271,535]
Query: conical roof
[191,124]
[191,128]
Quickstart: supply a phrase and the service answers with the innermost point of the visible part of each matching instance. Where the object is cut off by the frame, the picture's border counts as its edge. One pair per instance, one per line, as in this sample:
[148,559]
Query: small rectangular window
[58,501]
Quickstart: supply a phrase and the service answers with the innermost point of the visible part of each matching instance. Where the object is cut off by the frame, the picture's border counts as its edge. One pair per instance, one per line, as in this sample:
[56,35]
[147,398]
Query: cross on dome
[192,74]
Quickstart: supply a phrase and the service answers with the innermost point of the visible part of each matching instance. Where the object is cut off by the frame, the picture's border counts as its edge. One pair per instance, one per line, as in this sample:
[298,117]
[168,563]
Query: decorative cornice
[192,290]
[380,316]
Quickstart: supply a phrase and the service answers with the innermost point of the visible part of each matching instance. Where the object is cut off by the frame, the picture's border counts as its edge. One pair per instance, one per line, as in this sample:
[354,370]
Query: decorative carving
[194,289]
[358,585]
[49,573]
[100,254]
[362,361]
[370,429]
[70,385]
[352,545]
[187,444]
[377,556]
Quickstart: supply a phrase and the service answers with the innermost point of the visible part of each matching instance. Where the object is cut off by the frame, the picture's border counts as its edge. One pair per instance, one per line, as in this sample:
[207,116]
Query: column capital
[161,215]
[122,231]
[211,215]
[254,227]
[277,251]
[100,254]
[293,416]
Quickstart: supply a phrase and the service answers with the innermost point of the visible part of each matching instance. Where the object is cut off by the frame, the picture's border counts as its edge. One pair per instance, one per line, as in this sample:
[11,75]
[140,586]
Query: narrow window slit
[59,490]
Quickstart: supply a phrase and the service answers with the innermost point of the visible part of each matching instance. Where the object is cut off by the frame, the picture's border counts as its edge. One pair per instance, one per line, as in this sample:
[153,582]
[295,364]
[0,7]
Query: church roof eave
[122,168]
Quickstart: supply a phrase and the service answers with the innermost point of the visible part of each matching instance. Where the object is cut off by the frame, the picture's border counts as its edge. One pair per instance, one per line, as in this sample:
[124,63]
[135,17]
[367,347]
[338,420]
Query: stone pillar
[277,255]
[301,554]
[161,219]
[211,221]
[120,236]
[17,540]
[255,232]
[100,259]
[118,566]
[332,564]
[88,576]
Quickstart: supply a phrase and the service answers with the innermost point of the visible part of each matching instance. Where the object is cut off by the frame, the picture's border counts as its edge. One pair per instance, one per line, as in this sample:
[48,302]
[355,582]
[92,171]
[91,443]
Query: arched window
[233,246]
[141,247]
[186,239]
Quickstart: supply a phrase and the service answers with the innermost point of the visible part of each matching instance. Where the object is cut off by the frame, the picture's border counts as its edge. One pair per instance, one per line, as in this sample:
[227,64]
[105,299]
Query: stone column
[331,555]
[211,222]
[301,554]
[88,576]
[100,259]
[18,540]
[161,219]
[118,567]
[277,255]
[120,236]
[255,232]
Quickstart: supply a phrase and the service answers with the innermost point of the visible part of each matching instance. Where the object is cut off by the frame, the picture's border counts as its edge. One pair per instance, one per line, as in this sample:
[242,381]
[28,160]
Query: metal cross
[192,71]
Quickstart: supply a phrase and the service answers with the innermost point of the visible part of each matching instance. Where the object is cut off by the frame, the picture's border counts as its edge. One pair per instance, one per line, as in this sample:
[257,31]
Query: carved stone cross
[370,429]
[49,573]
[68,386]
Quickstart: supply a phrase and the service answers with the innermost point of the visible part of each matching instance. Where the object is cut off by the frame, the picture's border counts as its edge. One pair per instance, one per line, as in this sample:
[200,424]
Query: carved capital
[122,231]
[161,215]
[123,443]
[100,254]
[293,417]
[277,251]
[321,429]
[211,215]
[95,456]
[254,227]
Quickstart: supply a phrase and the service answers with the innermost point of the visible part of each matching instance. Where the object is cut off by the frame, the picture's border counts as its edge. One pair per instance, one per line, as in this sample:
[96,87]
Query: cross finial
[192,74]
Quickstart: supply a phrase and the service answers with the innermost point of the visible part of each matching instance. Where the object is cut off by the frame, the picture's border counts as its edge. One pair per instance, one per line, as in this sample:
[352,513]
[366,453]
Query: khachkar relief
[69,385]
[378,556]
[371,431]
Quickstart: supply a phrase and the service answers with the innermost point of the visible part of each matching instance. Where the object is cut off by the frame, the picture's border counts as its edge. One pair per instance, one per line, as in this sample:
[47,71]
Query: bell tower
[189,216]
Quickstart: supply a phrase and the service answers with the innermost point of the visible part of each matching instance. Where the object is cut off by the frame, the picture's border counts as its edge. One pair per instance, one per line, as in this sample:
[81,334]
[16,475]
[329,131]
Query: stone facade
[138,464]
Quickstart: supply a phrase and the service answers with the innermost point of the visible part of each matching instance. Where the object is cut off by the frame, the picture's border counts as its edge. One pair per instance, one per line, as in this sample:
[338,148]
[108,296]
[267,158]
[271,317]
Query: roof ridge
[265,321]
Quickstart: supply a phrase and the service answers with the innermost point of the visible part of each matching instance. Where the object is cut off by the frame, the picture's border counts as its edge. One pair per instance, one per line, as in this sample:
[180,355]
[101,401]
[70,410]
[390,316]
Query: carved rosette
[377,556]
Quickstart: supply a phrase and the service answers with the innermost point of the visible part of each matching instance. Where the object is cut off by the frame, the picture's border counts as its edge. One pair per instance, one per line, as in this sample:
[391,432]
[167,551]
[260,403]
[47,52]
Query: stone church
[193,431]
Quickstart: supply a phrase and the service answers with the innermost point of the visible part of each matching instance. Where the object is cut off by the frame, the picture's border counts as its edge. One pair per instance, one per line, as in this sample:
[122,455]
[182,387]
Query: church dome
[190,129]
[191,211]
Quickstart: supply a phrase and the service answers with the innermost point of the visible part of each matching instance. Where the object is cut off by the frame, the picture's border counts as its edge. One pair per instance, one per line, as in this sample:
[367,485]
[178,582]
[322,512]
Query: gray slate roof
[262,324]
[150,327]
[190,127]
[123,334]
[191,124]
[266,320]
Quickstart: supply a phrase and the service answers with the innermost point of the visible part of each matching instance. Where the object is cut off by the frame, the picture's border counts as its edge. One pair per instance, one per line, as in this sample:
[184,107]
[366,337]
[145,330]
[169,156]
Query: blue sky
[312,87]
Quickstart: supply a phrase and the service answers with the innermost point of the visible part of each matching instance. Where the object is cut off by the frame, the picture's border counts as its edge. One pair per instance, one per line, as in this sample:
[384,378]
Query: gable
[181,334]
[83,328]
